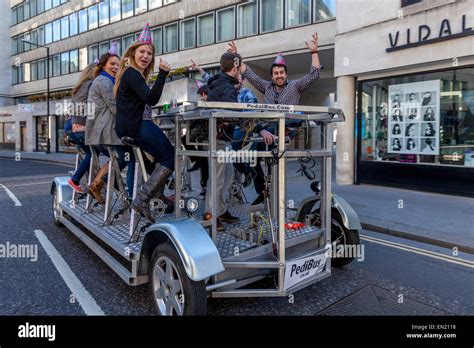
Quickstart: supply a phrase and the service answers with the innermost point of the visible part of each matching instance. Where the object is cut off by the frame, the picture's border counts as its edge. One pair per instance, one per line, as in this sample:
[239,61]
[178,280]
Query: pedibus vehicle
[186,260]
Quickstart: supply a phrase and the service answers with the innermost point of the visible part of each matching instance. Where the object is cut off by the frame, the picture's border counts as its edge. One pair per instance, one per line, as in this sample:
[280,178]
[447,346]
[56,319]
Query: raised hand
[164,65]
[232,47]
[312,44]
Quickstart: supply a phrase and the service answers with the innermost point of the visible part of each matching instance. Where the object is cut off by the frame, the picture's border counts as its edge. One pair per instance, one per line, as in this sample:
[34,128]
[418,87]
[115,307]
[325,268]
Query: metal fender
[198,252]
[348,214]
[64,190]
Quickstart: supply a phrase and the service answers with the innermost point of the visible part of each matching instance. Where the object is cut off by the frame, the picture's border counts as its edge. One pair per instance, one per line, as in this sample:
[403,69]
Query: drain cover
[373,300]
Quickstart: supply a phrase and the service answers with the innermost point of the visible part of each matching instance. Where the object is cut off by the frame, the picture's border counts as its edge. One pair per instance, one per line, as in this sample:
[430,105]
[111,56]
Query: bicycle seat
[128,141]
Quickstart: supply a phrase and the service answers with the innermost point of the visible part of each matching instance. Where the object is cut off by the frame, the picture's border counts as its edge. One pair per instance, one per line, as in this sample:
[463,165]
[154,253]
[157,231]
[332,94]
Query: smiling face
[112,66]
[279,76]
[143,56]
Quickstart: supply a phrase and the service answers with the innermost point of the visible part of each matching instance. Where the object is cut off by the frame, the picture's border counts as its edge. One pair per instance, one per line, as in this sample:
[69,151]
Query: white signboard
[25,107]
[413,118]
[303,268]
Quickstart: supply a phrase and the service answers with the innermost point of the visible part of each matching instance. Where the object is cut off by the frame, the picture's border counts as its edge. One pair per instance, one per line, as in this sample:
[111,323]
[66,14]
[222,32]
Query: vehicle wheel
[55,207]
[340,235]
[172,292]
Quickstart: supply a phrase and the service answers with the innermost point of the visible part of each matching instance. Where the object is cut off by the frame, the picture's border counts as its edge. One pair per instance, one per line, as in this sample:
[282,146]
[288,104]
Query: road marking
[84,298]
[432,254]
[11,195]
[32,183]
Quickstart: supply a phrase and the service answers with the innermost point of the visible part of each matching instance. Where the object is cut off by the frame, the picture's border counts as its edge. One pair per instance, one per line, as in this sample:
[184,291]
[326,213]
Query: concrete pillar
[345,131]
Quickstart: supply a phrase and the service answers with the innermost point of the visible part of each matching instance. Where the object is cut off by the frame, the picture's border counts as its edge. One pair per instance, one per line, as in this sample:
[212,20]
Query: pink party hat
[279,60]
[113,48]
[145,35]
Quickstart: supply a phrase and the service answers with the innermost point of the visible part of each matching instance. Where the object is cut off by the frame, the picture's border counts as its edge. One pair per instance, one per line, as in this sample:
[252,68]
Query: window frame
[234,10]
[310,15]
[177,36]
[90,24]
[181,32]
[237,19]
[213,28]
[260,21]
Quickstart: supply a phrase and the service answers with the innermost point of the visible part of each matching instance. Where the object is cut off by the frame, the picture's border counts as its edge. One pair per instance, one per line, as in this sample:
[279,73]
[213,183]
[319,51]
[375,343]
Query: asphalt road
[426,276]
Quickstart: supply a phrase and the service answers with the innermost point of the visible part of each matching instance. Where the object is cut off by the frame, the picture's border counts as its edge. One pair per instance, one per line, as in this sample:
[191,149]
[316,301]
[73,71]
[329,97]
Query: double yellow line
[432,254]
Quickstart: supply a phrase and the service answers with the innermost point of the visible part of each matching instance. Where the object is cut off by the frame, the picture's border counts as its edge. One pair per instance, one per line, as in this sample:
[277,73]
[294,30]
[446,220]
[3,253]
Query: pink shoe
[75,187]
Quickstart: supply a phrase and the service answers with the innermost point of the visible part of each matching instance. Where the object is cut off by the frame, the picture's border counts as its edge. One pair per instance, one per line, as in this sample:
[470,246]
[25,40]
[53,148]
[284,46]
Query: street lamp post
[48,144]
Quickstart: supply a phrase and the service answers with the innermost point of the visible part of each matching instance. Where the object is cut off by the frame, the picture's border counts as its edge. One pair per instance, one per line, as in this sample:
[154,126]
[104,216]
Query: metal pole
[48,148]
[281,203]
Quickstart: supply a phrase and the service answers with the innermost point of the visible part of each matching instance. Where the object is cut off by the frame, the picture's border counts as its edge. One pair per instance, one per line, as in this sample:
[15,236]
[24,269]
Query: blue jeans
[151,139]
[79,138]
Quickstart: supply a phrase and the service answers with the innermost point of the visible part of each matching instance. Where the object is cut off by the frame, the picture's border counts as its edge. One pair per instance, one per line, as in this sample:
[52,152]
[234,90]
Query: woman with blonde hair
[134,100]
[78,119]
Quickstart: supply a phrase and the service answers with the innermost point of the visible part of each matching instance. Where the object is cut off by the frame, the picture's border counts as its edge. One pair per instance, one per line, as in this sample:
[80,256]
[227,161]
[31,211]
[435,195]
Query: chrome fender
[350,219]
[196,249]
[64,191]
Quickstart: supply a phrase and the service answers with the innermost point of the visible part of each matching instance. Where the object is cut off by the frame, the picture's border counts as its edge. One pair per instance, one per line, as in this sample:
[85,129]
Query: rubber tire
[194,292]
[352,237]
[54,197]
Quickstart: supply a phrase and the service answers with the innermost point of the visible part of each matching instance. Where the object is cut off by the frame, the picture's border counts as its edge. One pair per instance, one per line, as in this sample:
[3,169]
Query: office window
[157,40]
[73,24]
[170,38]
[103,48]
[225,24]
[93,17]
[15,45]
[104,13]
[271,15]
[74,61]
[21,78]
[127,8]
[48,33]
[14,76]
[34,37]
[83,58]
[140,6]
[40,6]
[56,3]
[26,10]
[298,12]
[26,72]
[126,41]
[325,9]
[93,51]
[64,1]
[155,3]
[34,71]
[27,46]
[64,63]
[19,13]
[48,4]
[118,41]
[83,20]
[205,29]
[115,10]
[33,8]
[247,19]
[41,69]
[20,44]
[57,65]
[57,30]
[64,27]
[41,35]
[14,13]
[49,67]
[188,33]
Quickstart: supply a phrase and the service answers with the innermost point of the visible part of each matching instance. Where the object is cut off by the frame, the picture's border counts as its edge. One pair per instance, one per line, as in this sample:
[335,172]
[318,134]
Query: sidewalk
[438,219]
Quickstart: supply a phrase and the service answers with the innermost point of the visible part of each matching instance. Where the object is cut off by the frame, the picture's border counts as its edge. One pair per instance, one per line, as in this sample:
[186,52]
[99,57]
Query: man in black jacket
[222,89]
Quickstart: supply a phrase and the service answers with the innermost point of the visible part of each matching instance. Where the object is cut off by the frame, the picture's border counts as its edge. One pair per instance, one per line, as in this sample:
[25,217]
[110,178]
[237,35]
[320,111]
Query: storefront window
[7,135]
[426,118]
[42,133]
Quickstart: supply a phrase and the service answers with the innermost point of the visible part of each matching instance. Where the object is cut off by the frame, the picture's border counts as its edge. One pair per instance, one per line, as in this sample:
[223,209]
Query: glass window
[57,30]
[127,8]
[26,72]
[41,69]
[73,61]
[19,12]
[119,45]
[20,74]
[57,65]
[206,29]
[27,37]
[48,32]
[34,37]
[104,13]
[64,27]
[64,1]
[14,45]
[170,38]
[93,17]
[103,48]
[247,19]
[56,3]
[50,66]
[64,63]
[83,58]
[155,3]
[48,4]
[93,53]
[410,2]
[115,10]
[166,2]
[40,6]
[325,9]
[424,118]
[83,20]
[41,35]
[26,10]
[14,76]
[271,15]
[188,33]
[298,12]
[126,41]
[20,44]
[157,40]
[33,8]
[73,24]
[14,19]
[226,24]
[140,6]
[34,71]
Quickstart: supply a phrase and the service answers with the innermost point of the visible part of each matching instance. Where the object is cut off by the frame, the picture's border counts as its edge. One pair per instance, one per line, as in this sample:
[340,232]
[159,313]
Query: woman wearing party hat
[134,97]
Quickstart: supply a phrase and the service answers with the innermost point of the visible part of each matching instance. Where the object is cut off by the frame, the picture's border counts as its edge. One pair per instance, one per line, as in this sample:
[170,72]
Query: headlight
[192,205]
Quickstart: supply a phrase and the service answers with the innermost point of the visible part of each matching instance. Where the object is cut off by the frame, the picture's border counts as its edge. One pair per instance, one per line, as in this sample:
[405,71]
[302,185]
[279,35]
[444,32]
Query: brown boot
[97,184]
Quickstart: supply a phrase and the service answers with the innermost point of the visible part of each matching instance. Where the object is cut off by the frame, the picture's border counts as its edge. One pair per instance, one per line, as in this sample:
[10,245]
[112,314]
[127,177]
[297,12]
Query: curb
[42,160]
[416,238]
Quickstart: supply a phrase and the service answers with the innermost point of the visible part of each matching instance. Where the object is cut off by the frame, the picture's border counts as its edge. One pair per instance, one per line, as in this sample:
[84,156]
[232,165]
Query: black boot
[154,186]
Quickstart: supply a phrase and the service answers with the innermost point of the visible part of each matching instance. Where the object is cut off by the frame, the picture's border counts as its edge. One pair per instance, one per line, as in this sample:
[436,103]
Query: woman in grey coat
[100,124]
